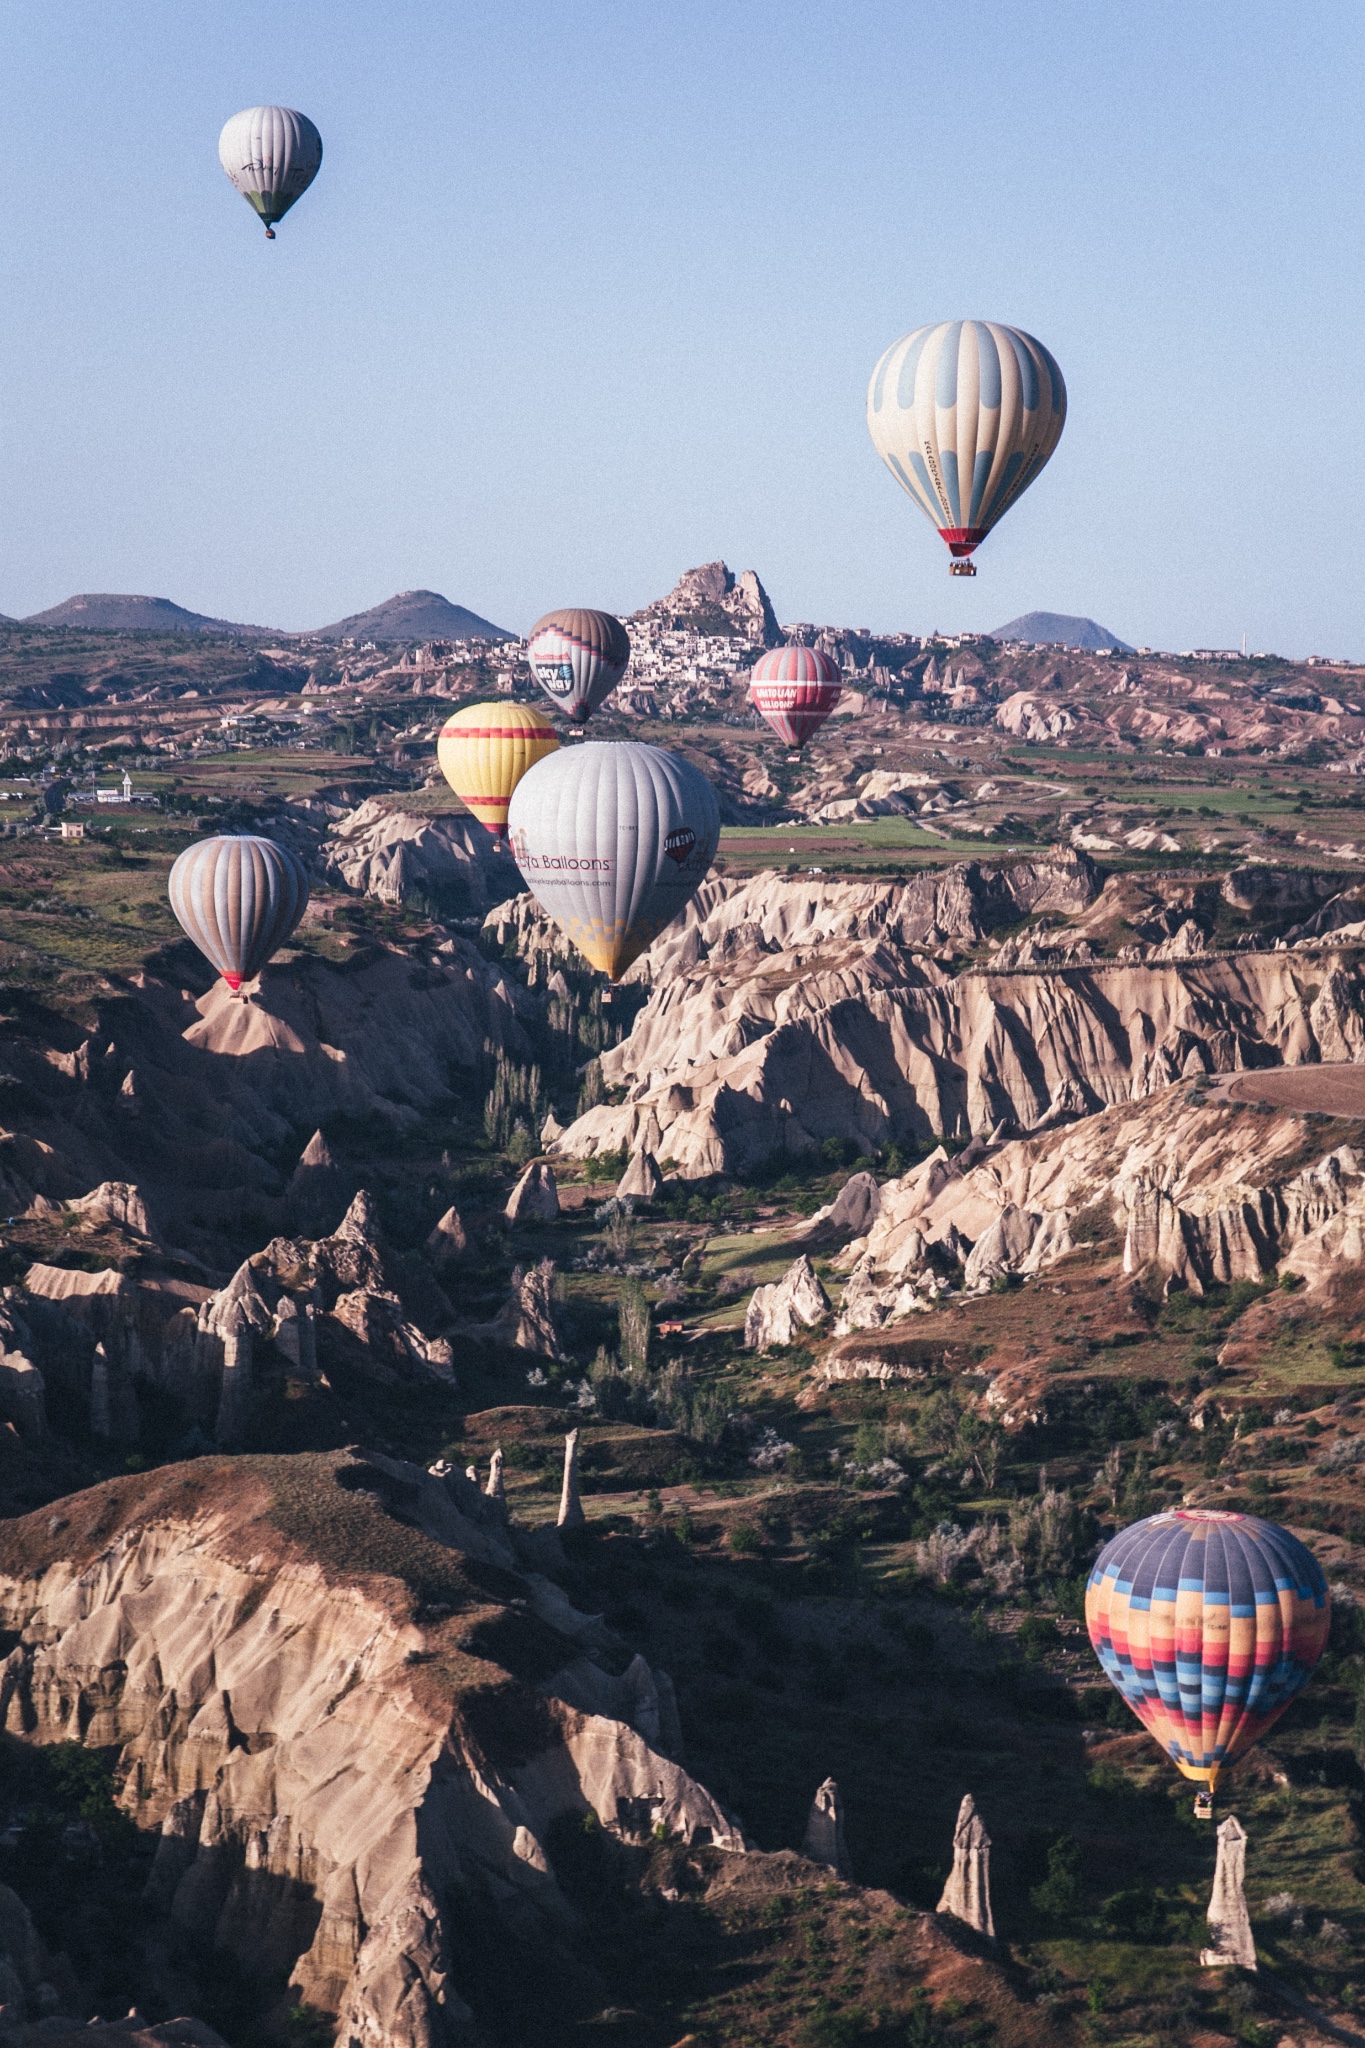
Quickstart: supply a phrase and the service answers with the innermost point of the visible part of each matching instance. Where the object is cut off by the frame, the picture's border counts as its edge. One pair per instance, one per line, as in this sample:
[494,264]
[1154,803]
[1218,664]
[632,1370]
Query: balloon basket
[1203,1806]
[962,568]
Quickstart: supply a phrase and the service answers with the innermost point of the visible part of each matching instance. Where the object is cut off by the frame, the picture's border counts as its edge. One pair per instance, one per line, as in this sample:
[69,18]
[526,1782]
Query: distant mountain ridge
[414,615]
[1059,629]
[113,612]
[411,615]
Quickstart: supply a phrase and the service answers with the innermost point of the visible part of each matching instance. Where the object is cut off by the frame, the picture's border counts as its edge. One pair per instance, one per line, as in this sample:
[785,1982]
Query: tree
[1058,1897]
[636,1326]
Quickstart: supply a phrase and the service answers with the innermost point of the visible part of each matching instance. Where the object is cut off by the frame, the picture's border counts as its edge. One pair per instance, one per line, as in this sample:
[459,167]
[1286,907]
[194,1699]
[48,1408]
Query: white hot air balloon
[238,898]
[272,155]
[964,415]
[613,838]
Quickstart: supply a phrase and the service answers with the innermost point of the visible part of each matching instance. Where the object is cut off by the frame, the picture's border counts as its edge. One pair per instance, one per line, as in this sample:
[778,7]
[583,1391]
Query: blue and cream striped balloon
[964,415]
[238,898]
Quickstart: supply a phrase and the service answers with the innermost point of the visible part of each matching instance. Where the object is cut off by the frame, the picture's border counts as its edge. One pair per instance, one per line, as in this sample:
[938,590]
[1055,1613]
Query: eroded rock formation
[383,850]
[1232,1945]
[967,1894]
[1197,1187]
[535,1198]
[824,1838]
[786,1013]
[297,1669]
[777,1312]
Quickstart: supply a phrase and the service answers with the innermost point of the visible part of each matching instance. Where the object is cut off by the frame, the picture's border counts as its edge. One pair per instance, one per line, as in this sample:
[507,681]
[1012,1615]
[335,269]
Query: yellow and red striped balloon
[483,752]
[1208,1624]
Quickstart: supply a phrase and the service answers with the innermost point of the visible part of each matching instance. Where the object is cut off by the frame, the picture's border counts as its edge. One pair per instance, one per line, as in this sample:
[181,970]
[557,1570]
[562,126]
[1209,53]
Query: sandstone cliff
[1197,1188]
[185,1098]
[333,1692]
[383,850]
[788,1012]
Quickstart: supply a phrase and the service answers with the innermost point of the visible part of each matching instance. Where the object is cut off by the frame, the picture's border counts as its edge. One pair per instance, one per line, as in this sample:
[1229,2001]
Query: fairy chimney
[1232,1945]
[571,1515]
[967,1894]
[824,1841]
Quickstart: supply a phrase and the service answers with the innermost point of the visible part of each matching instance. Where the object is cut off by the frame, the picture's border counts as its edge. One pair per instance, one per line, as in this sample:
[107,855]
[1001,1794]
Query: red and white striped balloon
[794,689]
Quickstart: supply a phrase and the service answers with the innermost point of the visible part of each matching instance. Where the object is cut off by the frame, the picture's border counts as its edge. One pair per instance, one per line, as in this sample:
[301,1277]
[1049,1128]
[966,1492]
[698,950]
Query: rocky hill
[332,1689]
[413,615]
[1058,629]
[109,613]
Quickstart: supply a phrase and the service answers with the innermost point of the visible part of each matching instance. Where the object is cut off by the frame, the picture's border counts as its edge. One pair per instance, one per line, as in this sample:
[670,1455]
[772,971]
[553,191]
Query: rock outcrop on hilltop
[333,1692]
[786,1013]
[712,599]
[1199,1189]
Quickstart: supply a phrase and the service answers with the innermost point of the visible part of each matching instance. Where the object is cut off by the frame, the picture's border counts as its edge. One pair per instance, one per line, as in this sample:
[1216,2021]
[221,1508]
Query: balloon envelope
[613,839]
[578,658]
[964,415]
[483,752]
[794,689]
[1208,1624]
[238,899]
[272,155]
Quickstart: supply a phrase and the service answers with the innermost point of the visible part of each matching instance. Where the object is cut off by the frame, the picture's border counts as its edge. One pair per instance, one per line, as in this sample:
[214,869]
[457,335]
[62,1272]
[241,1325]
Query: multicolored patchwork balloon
[794,689]
[272,155]
[483,752]
[238,897]
[964,415]
[1208,1624]
[578,657]
[613,839]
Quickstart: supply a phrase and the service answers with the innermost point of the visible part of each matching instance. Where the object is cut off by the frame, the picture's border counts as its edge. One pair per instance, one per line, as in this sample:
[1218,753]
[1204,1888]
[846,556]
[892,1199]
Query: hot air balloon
[272,155]
[794,689]
[964,415]
[484,751]
[578,658]
[1209,1624]
[238,899]
[613,839]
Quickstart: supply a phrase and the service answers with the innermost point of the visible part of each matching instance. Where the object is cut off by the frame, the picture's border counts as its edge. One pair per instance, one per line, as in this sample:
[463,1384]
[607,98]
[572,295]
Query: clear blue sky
[587,293]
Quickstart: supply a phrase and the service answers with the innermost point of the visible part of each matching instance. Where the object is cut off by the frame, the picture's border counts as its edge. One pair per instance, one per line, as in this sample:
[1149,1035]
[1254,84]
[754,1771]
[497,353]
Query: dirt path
[1335,1090]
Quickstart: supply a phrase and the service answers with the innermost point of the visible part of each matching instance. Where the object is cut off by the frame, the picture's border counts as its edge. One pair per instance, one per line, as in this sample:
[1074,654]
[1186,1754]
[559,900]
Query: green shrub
[1058,1897]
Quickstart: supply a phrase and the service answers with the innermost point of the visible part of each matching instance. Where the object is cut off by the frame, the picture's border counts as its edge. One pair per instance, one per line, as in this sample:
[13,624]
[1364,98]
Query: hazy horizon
[582,298]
